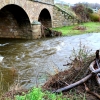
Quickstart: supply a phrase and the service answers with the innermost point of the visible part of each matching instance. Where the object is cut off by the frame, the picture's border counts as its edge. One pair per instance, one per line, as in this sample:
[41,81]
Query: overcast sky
[77,1]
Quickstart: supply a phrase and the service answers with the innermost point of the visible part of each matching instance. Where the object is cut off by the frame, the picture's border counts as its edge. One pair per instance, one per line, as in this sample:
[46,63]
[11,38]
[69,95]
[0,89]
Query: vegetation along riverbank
[88,27]
[79,69]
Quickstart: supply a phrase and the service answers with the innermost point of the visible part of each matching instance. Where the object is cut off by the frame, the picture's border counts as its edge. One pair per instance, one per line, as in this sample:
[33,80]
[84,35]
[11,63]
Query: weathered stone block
[36,30]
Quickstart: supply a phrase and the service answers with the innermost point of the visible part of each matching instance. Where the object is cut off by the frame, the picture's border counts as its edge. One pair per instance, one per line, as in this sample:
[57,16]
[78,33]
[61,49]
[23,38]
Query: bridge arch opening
[45,18]
[14,22]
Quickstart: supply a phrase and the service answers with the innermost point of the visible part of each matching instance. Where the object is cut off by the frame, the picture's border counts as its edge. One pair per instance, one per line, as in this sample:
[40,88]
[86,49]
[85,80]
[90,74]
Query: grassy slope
[67,9]
[90,28]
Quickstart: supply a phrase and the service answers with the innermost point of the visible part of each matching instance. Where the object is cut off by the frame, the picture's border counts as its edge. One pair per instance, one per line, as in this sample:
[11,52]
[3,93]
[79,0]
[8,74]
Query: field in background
[91,27]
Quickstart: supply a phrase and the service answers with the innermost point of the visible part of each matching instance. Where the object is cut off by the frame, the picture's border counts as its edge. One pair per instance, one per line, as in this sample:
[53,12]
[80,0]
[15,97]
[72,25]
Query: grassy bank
[91,27]
[38,94]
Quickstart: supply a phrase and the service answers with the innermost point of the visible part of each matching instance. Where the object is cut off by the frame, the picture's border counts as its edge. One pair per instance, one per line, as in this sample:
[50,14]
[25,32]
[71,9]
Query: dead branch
[90,92]
[95,65]
[77,83]
[73,85]
[97,59]
[47,32]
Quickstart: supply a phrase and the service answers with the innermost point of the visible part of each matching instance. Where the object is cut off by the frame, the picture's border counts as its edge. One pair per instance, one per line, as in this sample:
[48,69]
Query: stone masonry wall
[59,20]
[33,10]
[38,8]
[47,1]
[9,27]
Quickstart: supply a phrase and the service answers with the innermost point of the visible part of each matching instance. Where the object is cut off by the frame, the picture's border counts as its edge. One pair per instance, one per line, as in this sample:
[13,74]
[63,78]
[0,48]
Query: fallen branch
[95,94]
[90,92]
[77,83]
[93,67]
[47,32]
[97,59]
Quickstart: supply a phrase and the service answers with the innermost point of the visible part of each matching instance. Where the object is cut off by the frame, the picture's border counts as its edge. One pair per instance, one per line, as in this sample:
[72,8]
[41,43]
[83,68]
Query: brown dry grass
[79,69]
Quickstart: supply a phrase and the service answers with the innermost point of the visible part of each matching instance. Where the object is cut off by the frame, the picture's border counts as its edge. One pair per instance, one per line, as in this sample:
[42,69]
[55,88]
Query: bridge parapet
[45,1]
[63,18]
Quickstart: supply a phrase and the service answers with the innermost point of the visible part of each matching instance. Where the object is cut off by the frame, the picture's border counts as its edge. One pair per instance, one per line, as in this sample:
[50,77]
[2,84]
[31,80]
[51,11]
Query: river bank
[51,54]
[78,29]
[79,69]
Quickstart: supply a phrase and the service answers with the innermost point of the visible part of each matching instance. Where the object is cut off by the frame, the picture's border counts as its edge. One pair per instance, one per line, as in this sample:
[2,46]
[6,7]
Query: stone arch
[14,22]
[45,18]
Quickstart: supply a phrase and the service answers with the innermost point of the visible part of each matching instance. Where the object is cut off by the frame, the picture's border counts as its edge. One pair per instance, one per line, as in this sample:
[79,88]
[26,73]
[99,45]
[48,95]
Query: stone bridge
[20,18]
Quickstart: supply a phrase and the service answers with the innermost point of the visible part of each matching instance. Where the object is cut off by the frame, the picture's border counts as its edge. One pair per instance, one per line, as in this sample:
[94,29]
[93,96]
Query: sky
[77,1]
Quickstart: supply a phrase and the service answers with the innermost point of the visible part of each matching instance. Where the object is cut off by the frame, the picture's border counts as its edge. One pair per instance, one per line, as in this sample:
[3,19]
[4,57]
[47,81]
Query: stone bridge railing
[66,14]
[48,2]
[63,18]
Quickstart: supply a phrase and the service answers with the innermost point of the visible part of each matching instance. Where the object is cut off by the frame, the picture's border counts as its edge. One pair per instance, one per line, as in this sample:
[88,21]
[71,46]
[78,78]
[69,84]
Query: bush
[89,10]
[94,17]
[38,94]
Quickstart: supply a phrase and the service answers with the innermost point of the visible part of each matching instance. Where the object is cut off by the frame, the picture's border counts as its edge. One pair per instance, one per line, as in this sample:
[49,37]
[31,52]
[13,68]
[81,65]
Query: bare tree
[81,11]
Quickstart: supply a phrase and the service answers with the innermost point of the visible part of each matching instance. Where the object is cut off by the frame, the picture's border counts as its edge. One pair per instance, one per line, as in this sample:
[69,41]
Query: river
[31,62]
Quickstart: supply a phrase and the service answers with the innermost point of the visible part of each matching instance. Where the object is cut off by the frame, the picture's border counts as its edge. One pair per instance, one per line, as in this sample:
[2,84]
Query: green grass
[38,94]
[91,27]
[67,9]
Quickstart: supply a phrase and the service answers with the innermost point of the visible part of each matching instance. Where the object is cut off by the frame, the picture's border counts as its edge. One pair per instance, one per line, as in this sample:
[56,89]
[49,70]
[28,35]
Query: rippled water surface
[29,62]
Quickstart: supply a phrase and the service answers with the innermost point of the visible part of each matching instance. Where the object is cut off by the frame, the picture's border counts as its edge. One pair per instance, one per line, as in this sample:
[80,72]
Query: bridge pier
[36,30]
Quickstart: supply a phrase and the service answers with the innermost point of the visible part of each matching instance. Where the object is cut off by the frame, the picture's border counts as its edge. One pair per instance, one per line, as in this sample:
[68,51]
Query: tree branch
[66,88]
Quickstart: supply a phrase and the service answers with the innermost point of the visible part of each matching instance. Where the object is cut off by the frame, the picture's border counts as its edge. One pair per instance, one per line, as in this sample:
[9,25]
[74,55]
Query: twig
[97,58]
[88,91]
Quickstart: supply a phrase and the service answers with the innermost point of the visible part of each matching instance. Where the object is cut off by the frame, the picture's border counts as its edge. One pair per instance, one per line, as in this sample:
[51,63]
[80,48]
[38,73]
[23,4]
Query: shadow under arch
[45,18]
[14,22]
